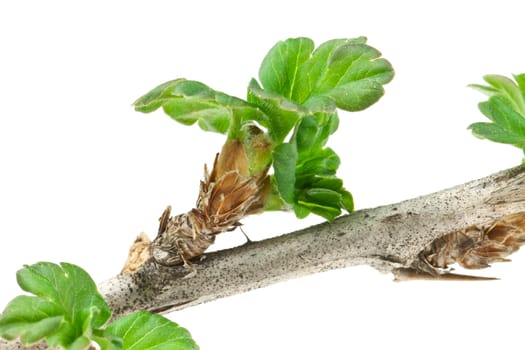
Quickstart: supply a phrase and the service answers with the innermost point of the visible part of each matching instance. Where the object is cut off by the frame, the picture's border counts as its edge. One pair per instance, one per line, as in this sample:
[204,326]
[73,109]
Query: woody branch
[389,238]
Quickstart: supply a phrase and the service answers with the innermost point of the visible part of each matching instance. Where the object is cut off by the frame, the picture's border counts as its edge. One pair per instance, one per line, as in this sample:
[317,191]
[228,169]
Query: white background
[81,173]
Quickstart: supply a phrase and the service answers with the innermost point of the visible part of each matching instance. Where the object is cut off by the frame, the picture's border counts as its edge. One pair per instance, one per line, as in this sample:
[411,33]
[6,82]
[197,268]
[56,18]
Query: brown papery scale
[478,247]
[227,194]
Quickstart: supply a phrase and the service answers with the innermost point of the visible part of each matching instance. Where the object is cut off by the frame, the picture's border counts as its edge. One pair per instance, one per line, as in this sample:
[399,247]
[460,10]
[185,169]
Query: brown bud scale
[226,195]
[478,247]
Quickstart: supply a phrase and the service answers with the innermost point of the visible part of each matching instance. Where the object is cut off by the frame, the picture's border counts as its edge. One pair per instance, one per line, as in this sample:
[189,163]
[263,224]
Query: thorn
[248,240]
[410,274]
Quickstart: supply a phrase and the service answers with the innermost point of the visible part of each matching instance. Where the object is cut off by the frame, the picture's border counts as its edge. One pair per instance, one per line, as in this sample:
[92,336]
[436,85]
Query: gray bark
[388,238]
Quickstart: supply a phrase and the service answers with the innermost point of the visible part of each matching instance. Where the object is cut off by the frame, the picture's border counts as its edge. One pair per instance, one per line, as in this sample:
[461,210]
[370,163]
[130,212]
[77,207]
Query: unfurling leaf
[505,108]
[305,170]
[496,133]
[281,114]
[503,87]
[188,102]
[348,71]
[30,318]
[279,69]
[285,161]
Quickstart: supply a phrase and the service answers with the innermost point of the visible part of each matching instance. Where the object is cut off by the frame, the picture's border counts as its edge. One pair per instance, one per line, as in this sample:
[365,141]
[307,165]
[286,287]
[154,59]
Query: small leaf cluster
[68,312]
[505,108]
[295,101]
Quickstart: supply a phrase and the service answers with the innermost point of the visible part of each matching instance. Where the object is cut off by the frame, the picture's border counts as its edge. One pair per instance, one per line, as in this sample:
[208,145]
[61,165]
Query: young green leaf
[31,318]
[285,161]
[313,131]
[520,79]
[146,331]
[305,170]
[279,69]
[505,88]
[280,114]
[347,71]
[317,66]
[190,102]
[65,310]
[107,340]
[505,108]
[502,113]
[496,133]
[321,201]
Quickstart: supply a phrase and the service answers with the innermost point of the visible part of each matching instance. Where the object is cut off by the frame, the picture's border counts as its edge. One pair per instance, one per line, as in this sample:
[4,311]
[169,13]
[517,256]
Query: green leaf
[326,181]
[354,77]
[347,200]
[31,318]
[496,133]
[487,90]
[347,71]
[305,169]
[520,79]
[106,340]
[146,331]
[65,310]
[279,69]
[499,111]
[284,163]
[190,102]
[327,212]
[321,196]
[301,211]
[306,134]
[209,115]
[312,132]
[280,114]
[505,108]
[316,67]
[508,125]
[321,161]
[505,88]
[326,202]
[508,90]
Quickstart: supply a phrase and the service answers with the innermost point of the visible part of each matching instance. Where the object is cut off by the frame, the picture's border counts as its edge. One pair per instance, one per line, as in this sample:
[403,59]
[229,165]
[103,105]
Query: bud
[258,149]
[227,194]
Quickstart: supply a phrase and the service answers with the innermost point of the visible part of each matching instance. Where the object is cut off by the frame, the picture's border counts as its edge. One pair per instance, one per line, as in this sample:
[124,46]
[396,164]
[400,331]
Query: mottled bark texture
[407,239]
